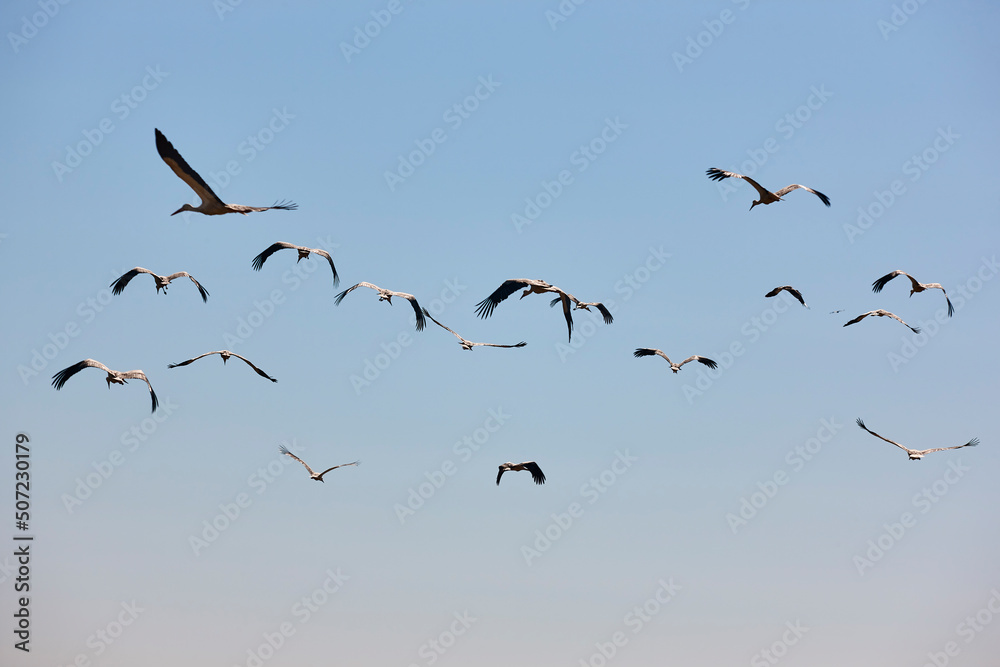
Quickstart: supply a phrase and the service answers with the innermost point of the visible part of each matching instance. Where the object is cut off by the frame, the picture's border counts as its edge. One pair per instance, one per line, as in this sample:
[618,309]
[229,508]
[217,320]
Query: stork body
[766,196]
[114,377]
[536,473]
[210,202]
[883,313]
[386,295]
[225,354]
[318,476]
[915,286]
[649,351]
[162,282]
[916,454]
[304,252]
[791,290]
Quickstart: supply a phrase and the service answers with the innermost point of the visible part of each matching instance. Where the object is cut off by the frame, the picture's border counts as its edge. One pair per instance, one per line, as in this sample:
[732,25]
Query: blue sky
[702,518]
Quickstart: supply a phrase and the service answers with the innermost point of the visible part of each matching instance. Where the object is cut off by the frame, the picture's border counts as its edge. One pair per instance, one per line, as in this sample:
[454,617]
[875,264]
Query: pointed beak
[177,211]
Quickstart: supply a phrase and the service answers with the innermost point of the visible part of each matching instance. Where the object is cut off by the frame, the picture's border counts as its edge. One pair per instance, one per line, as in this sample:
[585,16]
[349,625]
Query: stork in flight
[585,305]
[791,290]
[467,344]
[259,260]
[649,351]
[883,313]
[485,307]
[225,354]
[210,202]
[536,473]
[318,476]
[766,197]
[116,377]
[917,454]
[161,281]
[915,286]
[386,295]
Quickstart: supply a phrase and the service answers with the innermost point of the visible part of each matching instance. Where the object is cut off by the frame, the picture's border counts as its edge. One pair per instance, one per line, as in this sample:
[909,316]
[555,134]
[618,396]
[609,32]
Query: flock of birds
[211,204]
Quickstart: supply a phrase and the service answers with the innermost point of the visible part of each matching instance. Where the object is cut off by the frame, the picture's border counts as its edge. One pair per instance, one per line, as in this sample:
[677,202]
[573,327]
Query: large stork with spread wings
[386,295]
[915,286]
[162,282]
[318,476]
[225,354]
[917,454]
[536,473]
[766,196]
[210,202]
[114,377]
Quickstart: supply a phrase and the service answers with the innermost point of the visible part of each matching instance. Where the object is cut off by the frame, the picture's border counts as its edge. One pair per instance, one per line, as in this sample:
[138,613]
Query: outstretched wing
[500,474]
[421,322]
[485,307]
[605,313]
[201,290]
[352,463]
[862,425]
[284,450]
[899,319]
[119,285]
[794,186]
[248,363]
[259,260]
[427,314]
[567,313]
[880,283]
[324,253]
[649,351]
[701,360]
[521,344]
[858,318]
[340,297]
[718,174]
[791,290]
[59,379]
[185,363]
[184,171]
[971,443]
[139,375]
[536,473]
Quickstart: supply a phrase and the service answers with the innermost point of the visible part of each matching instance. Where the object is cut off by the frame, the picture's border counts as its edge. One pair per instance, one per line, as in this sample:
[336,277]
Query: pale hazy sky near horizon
[736,516]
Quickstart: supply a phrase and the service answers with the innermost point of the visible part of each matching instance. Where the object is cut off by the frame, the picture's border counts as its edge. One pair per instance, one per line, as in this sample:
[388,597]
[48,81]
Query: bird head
[186,207]
[754,204]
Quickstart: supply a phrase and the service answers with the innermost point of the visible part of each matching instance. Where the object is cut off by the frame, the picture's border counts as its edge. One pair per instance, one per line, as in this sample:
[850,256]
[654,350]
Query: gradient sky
[418,154]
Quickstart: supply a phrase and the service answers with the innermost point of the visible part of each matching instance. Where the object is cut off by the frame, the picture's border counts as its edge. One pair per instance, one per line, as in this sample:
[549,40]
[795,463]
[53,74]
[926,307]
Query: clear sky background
[750,502]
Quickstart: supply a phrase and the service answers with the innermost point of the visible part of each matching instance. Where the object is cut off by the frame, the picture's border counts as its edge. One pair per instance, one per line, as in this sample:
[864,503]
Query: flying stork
[210,202]
[259,260]
[386,295]
[225,354]
[649,351]
[766,197]
[791,290]
[536,473]
[161,281]
[915,286]
[116,377]
[467,344]
[318,476]
[485,307]
[917,454]
[883,313]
